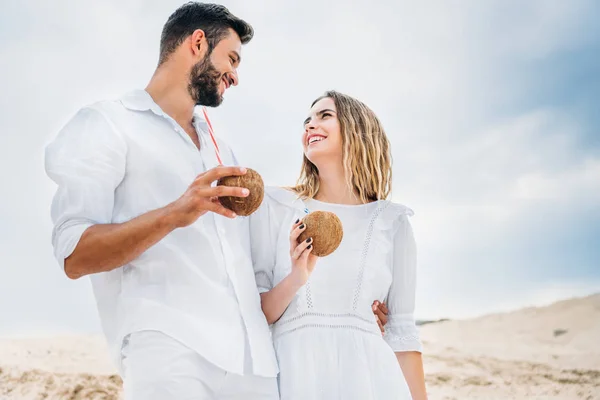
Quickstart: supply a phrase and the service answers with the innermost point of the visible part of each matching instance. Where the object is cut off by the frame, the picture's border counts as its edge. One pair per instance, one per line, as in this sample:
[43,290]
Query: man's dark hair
[214,19]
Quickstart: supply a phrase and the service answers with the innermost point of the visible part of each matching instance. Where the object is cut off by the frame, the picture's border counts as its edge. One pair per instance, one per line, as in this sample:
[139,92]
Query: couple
[175,274]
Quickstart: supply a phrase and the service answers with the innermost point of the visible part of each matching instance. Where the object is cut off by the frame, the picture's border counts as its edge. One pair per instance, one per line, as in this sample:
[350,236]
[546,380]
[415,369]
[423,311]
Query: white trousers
[157,367]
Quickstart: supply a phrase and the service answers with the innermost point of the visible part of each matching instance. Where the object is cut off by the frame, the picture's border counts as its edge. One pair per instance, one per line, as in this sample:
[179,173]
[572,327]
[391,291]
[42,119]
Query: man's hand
[104,247]
[381,312]
[201,197]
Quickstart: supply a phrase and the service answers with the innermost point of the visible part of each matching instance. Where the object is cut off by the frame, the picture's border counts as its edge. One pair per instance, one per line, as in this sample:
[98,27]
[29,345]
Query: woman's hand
[303,262]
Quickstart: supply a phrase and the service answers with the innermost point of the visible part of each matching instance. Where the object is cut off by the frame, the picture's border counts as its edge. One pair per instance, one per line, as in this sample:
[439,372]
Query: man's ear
[198,42]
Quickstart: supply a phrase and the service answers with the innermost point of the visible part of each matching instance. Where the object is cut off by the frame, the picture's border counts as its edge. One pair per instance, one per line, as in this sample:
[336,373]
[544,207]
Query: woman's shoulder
[398,210]
[392,216]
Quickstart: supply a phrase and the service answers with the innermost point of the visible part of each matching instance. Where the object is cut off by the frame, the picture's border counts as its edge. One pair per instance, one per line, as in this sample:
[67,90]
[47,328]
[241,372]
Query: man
[136,210]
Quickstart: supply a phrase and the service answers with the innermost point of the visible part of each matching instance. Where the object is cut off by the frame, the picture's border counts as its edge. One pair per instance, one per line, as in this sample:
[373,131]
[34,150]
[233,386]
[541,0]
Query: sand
[535,353]
[550,352]
[68,367]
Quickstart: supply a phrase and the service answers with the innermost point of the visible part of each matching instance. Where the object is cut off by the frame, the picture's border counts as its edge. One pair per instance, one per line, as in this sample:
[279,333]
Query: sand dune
[535,353]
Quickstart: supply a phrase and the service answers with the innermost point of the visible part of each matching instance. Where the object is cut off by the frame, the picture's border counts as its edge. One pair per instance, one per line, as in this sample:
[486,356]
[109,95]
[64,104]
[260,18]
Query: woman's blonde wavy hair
[365,150]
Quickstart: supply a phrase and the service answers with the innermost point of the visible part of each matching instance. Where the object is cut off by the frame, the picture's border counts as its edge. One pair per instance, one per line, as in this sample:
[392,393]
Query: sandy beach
[550,352]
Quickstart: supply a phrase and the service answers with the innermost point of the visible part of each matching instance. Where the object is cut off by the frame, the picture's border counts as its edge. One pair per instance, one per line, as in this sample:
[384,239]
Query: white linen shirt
[115,160]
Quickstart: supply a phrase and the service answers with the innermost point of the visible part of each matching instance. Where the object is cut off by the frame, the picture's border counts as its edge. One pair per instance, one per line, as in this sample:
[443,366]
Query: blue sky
[491,108]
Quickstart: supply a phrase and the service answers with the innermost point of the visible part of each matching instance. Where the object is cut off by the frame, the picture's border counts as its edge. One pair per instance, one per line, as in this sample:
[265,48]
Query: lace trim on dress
[365,252]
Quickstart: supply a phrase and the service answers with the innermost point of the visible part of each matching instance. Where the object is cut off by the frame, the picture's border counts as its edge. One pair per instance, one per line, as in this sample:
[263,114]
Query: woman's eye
[325,115]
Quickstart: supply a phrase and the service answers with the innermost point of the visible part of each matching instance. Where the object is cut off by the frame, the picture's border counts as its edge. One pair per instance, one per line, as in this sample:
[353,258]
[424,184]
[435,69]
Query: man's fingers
[221,171]
[217,208]
[384,308]
[380,312]
[223,191]
[382,317]
[379,323]
[377,304]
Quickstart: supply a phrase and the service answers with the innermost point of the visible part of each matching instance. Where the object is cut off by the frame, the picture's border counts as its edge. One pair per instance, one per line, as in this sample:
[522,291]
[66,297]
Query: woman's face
[322,138]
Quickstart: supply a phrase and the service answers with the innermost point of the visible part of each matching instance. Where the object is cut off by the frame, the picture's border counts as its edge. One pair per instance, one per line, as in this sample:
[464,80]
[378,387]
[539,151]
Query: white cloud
[580,183]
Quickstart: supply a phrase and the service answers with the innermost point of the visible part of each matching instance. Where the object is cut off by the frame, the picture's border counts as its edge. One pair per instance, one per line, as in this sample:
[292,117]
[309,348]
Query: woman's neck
[333,187]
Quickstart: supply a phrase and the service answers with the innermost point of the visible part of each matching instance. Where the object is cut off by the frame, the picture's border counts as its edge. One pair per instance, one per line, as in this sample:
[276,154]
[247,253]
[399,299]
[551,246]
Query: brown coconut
[326,230]
[244,206]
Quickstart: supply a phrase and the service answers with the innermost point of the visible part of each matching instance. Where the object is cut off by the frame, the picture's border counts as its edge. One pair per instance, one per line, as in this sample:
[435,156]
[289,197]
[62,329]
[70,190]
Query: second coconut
[326,230]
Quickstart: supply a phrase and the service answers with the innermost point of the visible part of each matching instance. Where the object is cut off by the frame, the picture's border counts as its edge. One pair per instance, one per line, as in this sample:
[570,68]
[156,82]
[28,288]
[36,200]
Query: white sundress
[328,343]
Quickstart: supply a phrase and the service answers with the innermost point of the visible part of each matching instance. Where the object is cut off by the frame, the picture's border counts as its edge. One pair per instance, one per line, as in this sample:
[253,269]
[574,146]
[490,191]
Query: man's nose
[234,78]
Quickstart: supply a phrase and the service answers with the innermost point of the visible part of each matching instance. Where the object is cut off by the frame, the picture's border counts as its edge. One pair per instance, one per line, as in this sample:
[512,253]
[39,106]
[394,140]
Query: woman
[325,334]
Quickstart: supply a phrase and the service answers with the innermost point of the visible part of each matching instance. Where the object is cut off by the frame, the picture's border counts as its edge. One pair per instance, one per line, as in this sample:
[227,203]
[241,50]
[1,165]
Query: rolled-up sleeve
[87,162]
[401,331]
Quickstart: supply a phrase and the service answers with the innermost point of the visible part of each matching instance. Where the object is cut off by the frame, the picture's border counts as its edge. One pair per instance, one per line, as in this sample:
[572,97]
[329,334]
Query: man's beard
[204,84]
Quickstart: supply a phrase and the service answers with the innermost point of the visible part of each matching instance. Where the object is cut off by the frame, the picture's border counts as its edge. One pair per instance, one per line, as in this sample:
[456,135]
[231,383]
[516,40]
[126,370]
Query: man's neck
[168,89]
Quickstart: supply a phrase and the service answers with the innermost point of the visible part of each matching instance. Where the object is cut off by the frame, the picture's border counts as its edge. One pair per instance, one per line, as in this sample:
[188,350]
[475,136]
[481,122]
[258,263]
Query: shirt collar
[140,100]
